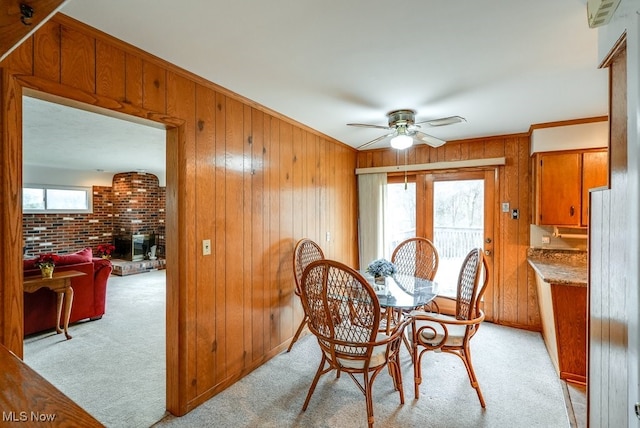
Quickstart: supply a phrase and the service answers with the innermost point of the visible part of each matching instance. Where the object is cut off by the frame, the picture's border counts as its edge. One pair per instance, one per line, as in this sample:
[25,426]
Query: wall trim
[472,163]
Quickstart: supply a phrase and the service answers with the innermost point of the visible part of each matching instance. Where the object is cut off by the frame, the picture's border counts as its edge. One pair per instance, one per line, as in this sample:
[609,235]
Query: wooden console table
[28,400]
[60,283]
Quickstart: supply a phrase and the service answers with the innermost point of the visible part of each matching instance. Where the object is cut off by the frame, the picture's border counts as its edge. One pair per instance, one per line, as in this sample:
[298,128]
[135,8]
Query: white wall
[569,137]
[65,177]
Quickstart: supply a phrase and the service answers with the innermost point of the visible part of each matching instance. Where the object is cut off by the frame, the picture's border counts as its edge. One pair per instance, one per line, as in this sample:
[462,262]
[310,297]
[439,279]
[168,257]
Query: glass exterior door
[458,226]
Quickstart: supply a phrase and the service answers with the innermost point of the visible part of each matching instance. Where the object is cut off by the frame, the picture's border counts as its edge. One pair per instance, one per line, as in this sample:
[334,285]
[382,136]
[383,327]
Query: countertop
[559,266]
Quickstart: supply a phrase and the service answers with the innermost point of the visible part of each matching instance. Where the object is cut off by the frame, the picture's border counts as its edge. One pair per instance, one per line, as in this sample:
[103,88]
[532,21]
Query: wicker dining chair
[452,334]
[344,315]
[304,252]
[416,257]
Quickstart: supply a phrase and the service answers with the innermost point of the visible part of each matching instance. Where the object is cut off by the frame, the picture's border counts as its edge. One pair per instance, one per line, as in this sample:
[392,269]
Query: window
[458,226]
[56,199]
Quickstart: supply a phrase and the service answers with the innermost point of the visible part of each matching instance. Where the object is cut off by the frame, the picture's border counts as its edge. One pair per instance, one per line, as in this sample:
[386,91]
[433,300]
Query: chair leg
[368,398]
[417,370]
[295,336]
[315,382]
[397,378]
[466,358]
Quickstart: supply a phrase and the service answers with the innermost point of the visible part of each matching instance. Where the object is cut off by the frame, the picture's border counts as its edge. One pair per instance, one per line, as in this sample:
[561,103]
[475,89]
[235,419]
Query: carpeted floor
[514,370]
[115,369]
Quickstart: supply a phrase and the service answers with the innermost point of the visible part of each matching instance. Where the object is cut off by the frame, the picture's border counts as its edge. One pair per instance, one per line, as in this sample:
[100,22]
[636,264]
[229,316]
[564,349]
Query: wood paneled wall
[512,299]
[608,369]
[247,178]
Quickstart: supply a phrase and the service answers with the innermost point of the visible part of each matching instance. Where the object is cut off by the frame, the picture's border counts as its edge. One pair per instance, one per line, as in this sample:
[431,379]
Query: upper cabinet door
[595,173]
[563,181]
[560,177]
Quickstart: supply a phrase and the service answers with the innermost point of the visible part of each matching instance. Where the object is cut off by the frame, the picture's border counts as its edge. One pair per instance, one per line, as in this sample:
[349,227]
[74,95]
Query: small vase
[379,280]
[47,271]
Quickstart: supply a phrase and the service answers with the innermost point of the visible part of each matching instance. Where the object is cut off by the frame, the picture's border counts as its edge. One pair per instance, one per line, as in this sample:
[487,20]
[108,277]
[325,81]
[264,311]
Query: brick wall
[138,206]
[135,204]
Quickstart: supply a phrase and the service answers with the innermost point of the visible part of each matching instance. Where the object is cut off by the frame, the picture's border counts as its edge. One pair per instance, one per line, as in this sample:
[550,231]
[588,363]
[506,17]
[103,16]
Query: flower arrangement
[105,250]
[381,267]
[46,261]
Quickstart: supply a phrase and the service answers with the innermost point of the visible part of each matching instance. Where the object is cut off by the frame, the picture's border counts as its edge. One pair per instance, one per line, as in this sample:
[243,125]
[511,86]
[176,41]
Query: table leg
[60,295]
[389,312]
[68,293]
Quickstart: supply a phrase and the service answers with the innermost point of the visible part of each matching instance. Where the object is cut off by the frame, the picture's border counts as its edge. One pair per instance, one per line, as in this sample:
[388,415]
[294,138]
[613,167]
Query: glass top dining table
[404,291]
[400,293]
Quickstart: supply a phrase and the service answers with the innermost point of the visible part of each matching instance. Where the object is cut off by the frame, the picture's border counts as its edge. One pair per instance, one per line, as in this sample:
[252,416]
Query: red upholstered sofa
[89,291]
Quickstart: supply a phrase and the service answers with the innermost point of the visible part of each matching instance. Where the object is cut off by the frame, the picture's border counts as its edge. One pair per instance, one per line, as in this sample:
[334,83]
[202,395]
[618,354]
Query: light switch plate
[505,207]
[206,247]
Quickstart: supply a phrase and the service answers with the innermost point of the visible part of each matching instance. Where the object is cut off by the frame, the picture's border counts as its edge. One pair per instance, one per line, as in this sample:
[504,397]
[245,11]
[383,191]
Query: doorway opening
[66,142]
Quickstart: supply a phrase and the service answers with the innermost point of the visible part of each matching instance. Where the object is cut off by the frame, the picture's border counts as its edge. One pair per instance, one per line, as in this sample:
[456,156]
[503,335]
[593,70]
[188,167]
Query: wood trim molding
[472,163]
[568,122]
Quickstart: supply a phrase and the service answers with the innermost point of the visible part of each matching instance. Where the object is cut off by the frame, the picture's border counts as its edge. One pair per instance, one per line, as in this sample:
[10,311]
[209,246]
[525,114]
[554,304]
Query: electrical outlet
[545,239]
[206,247]
[505,207]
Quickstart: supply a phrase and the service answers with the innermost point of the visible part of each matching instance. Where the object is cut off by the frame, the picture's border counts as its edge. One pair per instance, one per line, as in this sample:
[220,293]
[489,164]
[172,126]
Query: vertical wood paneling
[46,52]
[206,229]
[257,247]
[285,269]
[298,209]
[608,271]
[312,180]
[78,64]
[510,298]
[110,71]
[228,312]
[525,184]
[21,60]
[234,250]
[247,235]
[274,238]
[154,80]
[596,285]
[133,79]
[220,242]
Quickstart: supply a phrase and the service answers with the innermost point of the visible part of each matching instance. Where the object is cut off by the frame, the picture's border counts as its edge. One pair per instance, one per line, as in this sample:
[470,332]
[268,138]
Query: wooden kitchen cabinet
[595,173]
[563,180]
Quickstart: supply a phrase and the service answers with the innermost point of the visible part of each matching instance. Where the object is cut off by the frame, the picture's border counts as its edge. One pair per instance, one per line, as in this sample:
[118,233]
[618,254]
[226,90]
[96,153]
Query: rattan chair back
[416,257]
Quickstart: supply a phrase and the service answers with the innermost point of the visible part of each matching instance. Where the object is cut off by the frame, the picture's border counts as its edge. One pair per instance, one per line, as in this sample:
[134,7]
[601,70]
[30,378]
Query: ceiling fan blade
[429,139]
[364,125]
[444,121]
[380,138]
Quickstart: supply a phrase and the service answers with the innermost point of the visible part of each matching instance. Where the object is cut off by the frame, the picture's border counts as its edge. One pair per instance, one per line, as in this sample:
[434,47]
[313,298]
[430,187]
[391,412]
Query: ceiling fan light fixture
[401,141]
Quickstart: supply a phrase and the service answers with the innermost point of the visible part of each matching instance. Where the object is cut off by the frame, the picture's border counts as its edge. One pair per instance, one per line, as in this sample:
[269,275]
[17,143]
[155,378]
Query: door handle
[488,240]
[487,252]
[572,211]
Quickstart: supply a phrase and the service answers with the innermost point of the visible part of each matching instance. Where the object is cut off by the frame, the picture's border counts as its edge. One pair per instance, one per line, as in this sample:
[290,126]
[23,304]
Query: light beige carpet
[514,370]
[115,368]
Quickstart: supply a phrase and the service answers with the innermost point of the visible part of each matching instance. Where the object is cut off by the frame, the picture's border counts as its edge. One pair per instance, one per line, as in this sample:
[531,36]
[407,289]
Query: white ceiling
[69,138]
[503,65]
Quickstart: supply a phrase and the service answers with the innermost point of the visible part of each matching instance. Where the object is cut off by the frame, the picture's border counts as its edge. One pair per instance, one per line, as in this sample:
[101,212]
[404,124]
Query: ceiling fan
[404,129]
